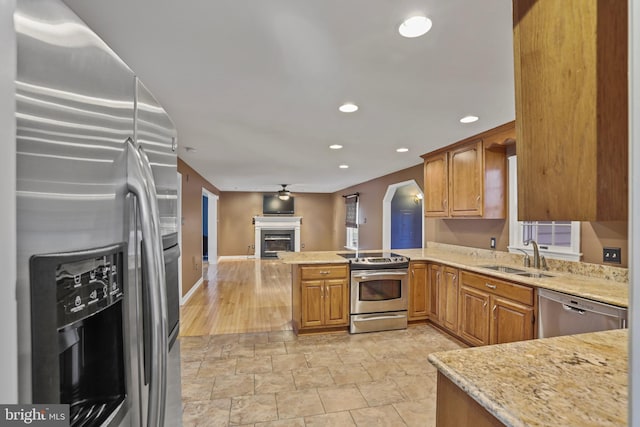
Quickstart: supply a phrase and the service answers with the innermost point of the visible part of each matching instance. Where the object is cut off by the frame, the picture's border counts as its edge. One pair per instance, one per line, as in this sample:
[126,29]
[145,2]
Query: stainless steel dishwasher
[563,314]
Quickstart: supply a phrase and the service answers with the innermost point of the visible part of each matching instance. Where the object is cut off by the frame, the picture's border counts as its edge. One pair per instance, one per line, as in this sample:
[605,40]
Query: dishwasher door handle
[573,309]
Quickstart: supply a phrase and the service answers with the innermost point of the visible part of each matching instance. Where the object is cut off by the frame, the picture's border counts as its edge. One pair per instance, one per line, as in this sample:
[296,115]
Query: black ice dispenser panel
[77,332]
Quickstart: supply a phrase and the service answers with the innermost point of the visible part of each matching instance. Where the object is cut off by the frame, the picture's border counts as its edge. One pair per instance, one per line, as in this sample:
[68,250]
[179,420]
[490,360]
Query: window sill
[562,255]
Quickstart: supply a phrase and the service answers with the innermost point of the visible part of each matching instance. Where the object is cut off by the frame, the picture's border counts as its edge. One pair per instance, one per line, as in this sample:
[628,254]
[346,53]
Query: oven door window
[380,290]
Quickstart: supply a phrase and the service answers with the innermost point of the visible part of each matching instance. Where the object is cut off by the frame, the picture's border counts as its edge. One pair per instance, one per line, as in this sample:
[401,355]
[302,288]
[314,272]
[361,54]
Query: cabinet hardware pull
[478,201]
[490,286]
[324,272]
[484,305]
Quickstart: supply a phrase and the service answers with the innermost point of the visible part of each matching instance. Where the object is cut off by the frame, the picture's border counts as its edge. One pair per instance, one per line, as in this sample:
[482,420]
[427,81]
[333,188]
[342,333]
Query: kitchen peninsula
[576,380]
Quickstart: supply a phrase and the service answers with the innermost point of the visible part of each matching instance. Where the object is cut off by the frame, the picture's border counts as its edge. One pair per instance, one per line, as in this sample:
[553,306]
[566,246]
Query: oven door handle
[374,275]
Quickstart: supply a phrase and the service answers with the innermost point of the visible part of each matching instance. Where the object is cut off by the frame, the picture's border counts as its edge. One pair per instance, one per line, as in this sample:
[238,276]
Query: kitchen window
[556,239]
[351,221]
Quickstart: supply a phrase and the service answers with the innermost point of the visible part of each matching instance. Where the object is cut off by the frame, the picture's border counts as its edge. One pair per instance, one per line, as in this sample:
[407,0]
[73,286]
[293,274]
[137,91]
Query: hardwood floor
[240,296]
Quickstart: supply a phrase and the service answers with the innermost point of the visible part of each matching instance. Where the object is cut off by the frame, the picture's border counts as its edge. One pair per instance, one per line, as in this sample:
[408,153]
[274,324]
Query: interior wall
[474,233]
[8,306]
[236,236]
[192,185]
[370,203]
[597,235]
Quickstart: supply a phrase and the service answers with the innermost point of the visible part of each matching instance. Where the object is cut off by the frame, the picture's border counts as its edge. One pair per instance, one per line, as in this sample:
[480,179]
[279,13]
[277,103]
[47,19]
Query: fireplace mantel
[276,223]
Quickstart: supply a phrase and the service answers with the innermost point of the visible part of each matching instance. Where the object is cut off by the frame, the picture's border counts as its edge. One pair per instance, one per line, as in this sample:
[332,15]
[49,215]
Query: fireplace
[274,241]
[283,232]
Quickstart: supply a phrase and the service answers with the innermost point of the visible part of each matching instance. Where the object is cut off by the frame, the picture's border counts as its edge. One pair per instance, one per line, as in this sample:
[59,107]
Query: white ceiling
[254,85]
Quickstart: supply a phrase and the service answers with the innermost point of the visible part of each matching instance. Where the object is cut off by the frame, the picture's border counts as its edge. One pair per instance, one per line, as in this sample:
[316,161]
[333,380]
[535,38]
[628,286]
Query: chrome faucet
[526,260]
[536,253]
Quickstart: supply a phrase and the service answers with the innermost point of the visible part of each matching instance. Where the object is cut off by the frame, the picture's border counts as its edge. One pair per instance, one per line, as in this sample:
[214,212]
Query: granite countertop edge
[494,408]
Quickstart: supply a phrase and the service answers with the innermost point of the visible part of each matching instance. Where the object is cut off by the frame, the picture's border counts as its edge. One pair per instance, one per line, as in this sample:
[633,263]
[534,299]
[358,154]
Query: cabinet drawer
[323,272]
[520,293]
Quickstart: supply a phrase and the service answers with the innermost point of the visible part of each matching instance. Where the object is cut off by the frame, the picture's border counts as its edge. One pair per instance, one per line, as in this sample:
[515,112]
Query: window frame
[570,253]
[349,231]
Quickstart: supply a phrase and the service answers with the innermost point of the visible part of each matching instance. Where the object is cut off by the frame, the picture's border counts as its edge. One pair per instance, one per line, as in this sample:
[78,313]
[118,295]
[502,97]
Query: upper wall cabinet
[468,179]
[571,109]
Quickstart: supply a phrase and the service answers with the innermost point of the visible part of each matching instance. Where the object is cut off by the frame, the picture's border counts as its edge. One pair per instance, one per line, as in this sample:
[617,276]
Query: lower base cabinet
[320,296]
[443,296]
[494,311]
[418,291]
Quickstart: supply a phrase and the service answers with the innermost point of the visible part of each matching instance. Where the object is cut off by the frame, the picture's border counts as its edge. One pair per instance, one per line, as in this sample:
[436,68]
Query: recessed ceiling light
[469,119]
[415,26]
[348,107]
[344,166]
[335,146]
[402,150]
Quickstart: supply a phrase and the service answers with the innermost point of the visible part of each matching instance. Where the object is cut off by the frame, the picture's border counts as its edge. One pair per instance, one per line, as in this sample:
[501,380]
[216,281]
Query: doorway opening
[403,216]
[209,228]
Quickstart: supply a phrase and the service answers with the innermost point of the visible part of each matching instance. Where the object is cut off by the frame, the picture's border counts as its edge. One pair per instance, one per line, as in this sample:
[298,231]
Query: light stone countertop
[592,281]
[576,380]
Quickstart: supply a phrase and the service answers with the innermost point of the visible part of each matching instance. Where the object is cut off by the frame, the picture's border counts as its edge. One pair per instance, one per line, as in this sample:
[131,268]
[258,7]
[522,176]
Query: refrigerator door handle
[140,182]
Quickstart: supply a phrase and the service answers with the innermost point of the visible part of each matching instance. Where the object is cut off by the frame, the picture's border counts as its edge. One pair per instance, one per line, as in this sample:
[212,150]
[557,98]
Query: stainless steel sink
[504,269]
[535,275]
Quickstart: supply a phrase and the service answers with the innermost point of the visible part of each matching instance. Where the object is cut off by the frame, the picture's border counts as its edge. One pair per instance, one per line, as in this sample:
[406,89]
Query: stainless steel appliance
[563,314]
[96,194]
[378,291]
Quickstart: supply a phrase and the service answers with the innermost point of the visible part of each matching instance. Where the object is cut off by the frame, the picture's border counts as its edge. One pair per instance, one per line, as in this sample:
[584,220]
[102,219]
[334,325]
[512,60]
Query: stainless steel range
[379,291]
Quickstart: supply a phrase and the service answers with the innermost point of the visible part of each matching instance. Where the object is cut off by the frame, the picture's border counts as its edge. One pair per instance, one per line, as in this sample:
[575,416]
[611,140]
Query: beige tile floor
[278,379]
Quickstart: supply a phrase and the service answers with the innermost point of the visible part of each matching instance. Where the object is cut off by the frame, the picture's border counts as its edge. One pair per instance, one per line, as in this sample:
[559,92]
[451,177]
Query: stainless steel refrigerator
[96,197]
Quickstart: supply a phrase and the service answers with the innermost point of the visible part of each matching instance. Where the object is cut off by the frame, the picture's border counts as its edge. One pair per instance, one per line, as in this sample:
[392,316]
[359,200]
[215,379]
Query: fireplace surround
[276,224]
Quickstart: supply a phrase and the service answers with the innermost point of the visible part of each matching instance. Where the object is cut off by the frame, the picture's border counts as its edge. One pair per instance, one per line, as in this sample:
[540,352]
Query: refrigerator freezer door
[74,111]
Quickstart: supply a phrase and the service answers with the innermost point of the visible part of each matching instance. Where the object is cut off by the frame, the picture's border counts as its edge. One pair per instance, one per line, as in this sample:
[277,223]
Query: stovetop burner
[375,260]
[352,255]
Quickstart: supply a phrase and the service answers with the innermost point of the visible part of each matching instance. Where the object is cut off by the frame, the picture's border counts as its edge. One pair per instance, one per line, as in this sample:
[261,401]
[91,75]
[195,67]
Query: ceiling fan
[284,194]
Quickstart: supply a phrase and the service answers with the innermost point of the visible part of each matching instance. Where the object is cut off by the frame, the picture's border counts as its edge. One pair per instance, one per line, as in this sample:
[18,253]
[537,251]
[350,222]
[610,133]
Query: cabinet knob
[490,286]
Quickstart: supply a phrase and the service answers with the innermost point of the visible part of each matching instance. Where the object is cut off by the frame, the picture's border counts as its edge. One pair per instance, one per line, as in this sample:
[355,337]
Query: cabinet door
[466,180]
[418,292]
[510,321]
[336,302]
[435,184]
[571,102]
[449,298]
[474,315]
[312,303]
[434,280]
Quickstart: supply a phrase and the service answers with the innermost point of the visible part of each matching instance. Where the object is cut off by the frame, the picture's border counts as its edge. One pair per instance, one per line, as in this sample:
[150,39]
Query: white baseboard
[193,289]
[232,257]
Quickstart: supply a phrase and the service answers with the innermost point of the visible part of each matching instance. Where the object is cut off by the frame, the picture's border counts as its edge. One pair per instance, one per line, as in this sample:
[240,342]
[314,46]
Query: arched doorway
[403,216]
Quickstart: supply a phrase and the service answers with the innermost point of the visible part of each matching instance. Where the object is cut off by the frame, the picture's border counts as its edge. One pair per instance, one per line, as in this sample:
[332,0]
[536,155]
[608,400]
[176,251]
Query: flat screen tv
[272,205]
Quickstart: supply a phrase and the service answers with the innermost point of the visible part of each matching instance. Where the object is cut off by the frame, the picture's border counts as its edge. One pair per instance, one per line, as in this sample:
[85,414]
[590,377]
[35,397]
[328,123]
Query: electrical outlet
[611,255]
[492,243]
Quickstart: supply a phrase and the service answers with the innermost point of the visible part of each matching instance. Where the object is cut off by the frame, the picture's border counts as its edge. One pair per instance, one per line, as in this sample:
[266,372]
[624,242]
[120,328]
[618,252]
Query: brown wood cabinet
[494,311]
[468,178]
[418,291]
[320,297]
[433,285]
[455,408]
[443,296]
[436,173]
[571,109]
